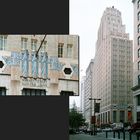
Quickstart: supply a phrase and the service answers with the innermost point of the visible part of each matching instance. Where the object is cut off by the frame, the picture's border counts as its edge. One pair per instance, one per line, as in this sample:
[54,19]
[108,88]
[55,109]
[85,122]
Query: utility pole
[94,121]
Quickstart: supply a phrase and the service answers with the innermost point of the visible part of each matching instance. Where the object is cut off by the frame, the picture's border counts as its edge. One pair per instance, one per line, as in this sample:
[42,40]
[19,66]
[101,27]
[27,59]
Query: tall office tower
[88,92]
[113,64]
[136,66]
[82,93]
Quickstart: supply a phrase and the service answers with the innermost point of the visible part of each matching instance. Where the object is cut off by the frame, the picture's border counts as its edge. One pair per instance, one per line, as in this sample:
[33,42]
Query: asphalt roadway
[100,136]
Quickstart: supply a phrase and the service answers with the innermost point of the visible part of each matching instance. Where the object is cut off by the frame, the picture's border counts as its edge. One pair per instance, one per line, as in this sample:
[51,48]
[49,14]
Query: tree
[75,119]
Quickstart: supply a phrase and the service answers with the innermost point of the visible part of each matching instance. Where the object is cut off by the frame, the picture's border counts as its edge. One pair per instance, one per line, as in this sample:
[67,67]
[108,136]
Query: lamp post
[94,122]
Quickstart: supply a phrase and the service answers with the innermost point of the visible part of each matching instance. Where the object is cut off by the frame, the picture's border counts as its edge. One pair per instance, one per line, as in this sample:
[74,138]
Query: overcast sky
[85,16]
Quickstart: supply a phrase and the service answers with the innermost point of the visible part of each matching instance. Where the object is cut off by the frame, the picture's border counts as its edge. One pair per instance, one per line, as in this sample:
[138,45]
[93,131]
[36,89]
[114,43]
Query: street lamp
[94,112]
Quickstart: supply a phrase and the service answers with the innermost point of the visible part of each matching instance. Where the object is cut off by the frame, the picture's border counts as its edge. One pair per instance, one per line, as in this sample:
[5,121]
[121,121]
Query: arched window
[138,16]
[139,28]
[139,65]
[138,4]
[139,40]
[139,52]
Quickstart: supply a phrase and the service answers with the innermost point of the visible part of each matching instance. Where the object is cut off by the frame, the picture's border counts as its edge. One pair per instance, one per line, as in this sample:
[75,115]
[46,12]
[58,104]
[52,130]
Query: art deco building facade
[112,77]
[136,67]
[53,71]
[88,92]
[82,93]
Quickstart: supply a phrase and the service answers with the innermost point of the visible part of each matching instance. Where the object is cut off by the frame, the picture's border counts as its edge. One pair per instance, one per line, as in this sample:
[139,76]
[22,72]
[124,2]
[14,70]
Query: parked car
[107,129]
[135,127]
[99,130]
[117,126]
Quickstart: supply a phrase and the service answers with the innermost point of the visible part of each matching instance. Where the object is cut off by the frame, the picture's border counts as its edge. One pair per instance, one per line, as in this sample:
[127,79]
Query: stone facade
[53,71]
[88,110]
[136,66]
[112,75]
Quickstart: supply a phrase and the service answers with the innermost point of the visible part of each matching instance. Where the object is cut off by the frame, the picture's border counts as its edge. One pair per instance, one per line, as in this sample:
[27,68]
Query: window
[139,52]
[24,43]
[44,45]
[139,65]
[138,79]
[138,16]
[138,4]
[69,50]
[138,116]
[122,116]
[33,44]
[139,40]
[114,116]
[33,92]
[3,41]
[138,100]
[139,28]
[2,91]
[60,50]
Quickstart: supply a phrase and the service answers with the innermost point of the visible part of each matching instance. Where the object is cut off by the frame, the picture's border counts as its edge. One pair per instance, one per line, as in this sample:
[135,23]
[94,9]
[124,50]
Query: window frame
[138,15]
[138,4]
[33,44]
[24,42]
[138,28]
[69,50]
[138,65]
[60,50]
[3,42]
[138,100]
[44,46]
[138,79]
[138,40]
[138,52]
[2,91]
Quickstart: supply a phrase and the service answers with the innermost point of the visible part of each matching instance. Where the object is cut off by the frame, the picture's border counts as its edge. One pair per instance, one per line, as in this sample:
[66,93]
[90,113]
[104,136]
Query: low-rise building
[27,70]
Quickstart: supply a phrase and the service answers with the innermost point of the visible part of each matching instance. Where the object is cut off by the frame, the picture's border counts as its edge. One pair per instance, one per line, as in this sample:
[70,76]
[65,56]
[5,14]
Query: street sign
[97,107]
[93,119]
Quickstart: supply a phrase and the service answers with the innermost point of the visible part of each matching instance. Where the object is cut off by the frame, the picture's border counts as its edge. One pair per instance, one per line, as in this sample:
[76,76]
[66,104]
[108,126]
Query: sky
[85,16]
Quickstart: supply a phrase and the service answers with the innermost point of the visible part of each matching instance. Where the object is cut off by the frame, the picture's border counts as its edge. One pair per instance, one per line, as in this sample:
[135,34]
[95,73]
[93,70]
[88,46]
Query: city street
[100,136]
